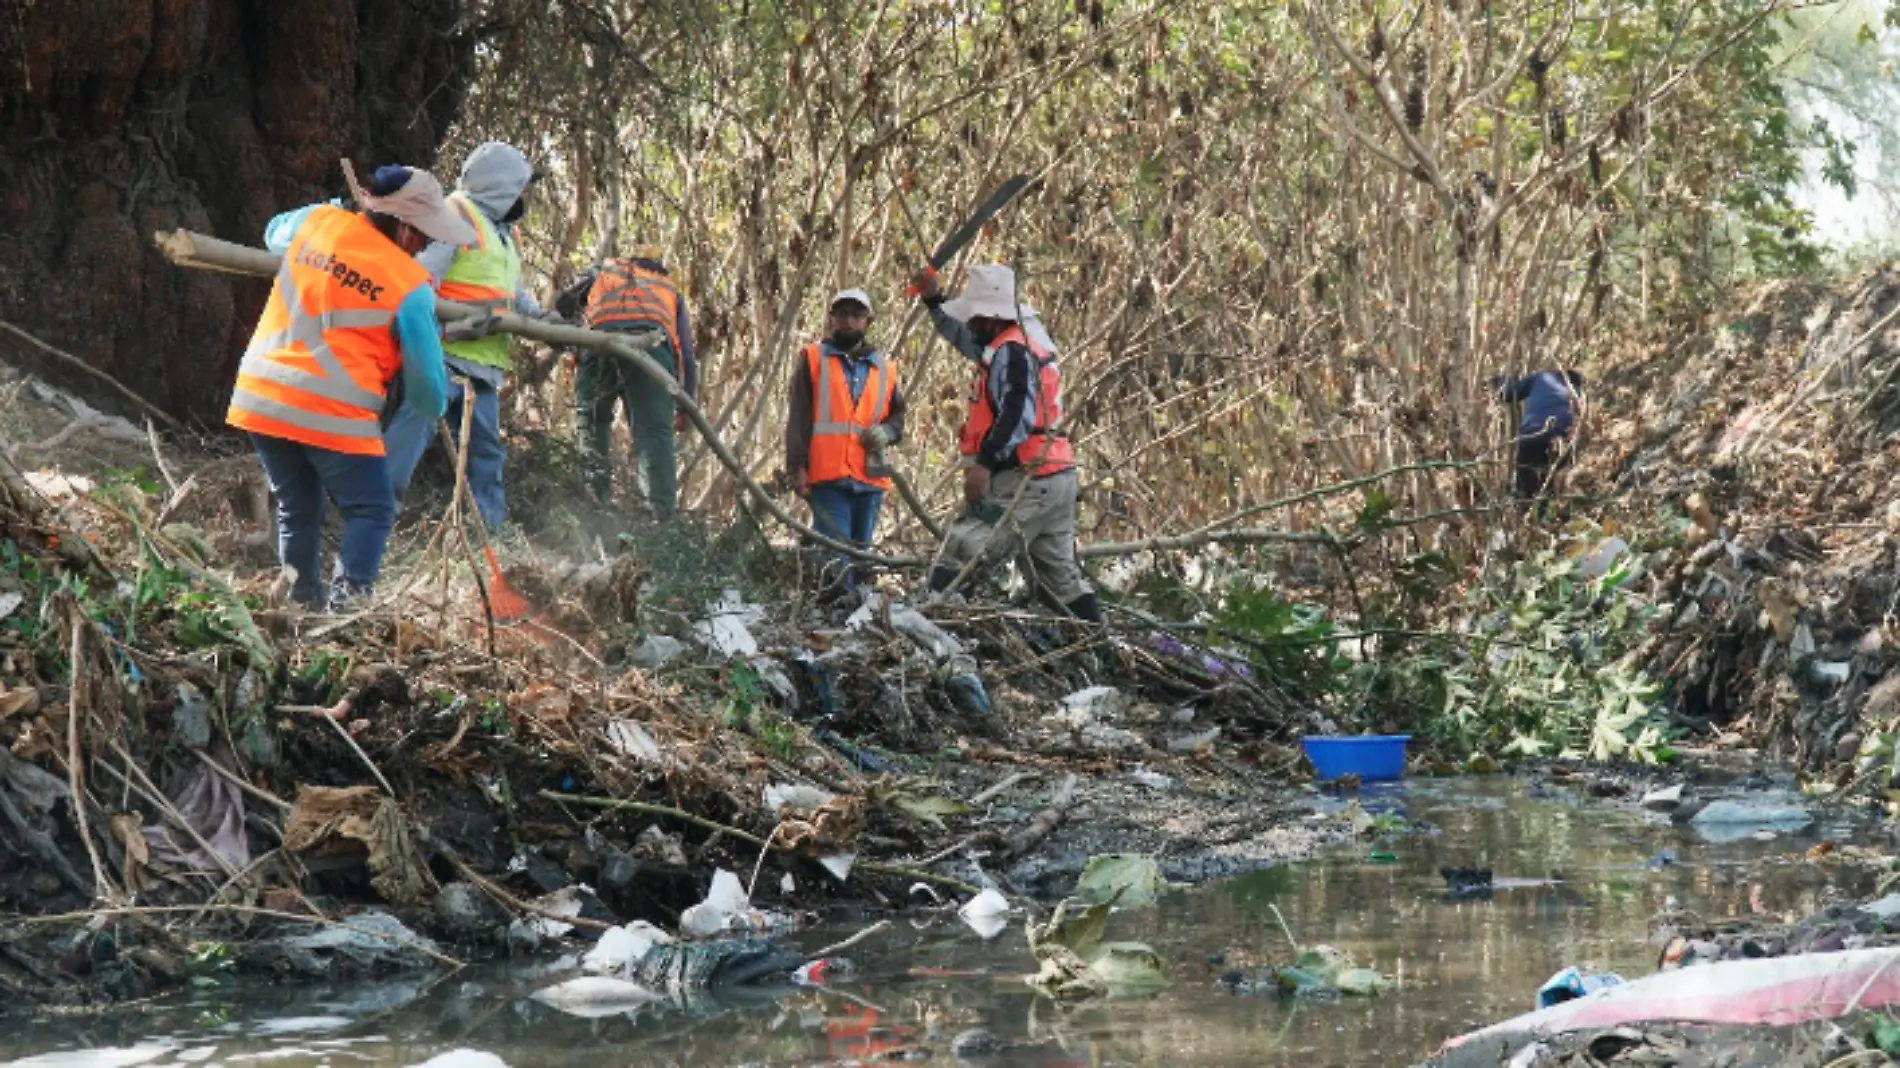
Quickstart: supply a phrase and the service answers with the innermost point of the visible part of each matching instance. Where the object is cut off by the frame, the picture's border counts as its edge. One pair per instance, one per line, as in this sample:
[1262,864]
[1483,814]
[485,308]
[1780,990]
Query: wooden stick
[991,793]
[74,361]
[102,888]
[510,901]
[839,947]
[1045,823]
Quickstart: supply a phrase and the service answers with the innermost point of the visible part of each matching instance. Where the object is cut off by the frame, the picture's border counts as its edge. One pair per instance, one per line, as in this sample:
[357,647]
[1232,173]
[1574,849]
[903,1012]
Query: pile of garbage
[185,760]
[1763,447]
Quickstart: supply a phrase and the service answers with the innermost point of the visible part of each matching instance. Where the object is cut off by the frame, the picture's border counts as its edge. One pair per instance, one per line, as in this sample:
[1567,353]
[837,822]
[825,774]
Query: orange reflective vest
[836,453]
[1046,451]
[625,292]
[325,348]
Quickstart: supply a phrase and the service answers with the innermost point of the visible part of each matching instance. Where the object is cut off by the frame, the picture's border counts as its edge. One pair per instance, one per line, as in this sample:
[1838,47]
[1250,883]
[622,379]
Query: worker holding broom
[484,272]
[351,309]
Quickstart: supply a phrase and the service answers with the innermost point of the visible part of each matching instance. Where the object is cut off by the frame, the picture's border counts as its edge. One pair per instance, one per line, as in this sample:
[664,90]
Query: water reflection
[1458,964]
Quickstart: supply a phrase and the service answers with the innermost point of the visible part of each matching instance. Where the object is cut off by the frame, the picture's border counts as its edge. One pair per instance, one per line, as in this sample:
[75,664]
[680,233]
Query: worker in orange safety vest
[351,310]
[1019,480]
[845,409]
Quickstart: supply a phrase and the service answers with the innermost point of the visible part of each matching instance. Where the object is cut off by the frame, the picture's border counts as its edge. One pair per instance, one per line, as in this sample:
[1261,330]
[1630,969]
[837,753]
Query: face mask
[515,213]
[847,339]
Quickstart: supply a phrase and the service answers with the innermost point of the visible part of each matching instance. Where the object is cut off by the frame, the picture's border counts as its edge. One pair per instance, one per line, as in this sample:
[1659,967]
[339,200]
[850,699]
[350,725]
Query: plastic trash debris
[368,938]
[535,929]
[1187,743]
[1886,908]
[1099,702]
[620,948]
[1598,561]
[775,679]
[966,687]
[1663,800]
[1834,672]
[1572,983]
[1732,821]
[907,621]
[458,1058]
[838,865]
[593,996]
[655,651]
[787,885]
[986,913]
[727,908]
[631,739]
[1153,780]
[779,796]
[725,628]
[822,971]
[191,716]
[1773,990]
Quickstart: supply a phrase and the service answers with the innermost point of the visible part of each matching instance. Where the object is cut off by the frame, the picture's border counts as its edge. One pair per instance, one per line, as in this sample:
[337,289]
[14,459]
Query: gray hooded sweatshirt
[493,178]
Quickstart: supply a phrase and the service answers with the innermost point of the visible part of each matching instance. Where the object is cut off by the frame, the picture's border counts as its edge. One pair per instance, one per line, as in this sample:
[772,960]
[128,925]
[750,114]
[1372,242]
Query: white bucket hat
[419,203]
[989,294]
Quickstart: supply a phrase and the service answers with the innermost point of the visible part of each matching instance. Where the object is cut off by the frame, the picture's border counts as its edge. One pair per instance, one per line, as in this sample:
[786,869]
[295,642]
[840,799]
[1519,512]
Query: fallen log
[203,252]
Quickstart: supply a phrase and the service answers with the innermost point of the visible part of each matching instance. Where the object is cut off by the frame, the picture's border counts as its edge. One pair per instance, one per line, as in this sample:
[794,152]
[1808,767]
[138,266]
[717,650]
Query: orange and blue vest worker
[632,294]
[845,409]
[1012,435]
[350,310]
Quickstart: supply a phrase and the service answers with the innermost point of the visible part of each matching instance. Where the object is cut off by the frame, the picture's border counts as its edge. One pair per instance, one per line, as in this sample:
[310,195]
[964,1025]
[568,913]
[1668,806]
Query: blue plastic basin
[1372,757]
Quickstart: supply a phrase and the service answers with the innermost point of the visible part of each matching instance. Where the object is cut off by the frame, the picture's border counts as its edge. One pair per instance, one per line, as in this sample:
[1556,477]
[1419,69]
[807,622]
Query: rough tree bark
[119,118]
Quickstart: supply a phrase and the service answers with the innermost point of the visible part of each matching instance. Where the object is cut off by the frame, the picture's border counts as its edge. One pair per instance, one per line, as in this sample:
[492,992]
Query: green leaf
[1125,878]
[1128,966]
[1887,1034]
[929,808]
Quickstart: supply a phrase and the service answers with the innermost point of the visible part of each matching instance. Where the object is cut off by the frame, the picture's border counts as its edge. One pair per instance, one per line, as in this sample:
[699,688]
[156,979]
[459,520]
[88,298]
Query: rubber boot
[1086,608]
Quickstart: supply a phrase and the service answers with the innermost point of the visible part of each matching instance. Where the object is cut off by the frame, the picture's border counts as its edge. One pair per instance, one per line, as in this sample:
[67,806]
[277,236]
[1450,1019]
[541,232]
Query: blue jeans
[300,476]
[410,434]
[848,512]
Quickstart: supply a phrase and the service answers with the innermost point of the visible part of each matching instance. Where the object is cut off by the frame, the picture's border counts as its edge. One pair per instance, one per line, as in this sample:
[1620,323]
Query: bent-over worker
[484,271]
[845,409]
[626,295]
[1543,448]
[1019,480]
[350,310]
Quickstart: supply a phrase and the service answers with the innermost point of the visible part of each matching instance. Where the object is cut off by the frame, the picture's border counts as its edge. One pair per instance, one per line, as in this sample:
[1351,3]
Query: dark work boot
[941,578]
[1086,608]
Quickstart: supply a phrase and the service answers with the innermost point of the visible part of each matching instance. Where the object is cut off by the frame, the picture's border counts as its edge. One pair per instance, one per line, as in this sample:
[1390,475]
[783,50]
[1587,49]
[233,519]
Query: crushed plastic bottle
[966,687]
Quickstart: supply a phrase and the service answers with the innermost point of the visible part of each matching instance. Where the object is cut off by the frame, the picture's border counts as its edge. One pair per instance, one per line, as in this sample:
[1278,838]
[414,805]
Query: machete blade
[964,234]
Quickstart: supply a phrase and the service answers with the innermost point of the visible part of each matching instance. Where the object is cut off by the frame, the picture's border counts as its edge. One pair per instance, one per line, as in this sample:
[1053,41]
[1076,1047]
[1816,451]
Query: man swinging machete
[1019,479]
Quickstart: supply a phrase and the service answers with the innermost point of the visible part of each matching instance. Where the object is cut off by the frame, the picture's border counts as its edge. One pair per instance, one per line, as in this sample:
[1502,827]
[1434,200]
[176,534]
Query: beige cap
[990,294]
[419,203]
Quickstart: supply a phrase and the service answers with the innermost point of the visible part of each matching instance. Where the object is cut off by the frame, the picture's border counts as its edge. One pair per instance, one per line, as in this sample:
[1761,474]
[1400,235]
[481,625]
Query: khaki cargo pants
[1040,531]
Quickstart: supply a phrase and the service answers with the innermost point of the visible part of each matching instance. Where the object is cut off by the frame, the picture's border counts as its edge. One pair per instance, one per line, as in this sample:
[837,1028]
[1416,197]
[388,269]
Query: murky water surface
[1456,964]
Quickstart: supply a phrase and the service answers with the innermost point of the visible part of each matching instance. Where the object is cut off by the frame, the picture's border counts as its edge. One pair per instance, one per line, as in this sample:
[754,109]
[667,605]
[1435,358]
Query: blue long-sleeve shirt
[425,380]
[1550,405]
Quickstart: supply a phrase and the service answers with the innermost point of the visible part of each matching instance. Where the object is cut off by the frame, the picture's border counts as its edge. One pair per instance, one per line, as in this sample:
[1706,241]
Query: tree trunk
[119,118]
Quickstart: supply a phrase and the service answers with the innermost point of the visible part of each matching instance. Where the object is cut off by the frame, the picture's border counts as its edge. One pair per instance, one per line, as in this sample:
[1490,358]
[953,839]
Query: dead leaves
[126,829]
[332,820]
[22,701]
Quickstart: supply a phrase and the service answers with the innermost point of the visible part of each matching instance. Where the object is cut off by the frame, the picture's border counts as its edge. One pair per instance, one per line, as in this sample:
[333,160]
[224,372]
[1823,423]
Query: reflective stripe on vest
[485,274]
[314,370]
[334,383]
[836,452]
[1045,450]
[629,293]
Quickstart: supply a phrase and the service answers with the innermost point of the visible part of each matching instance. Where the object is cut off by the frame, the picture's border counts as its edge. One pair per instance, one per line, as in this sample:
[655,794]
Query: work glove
[471,329]
[875,437]
[976,484]
[925,284]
